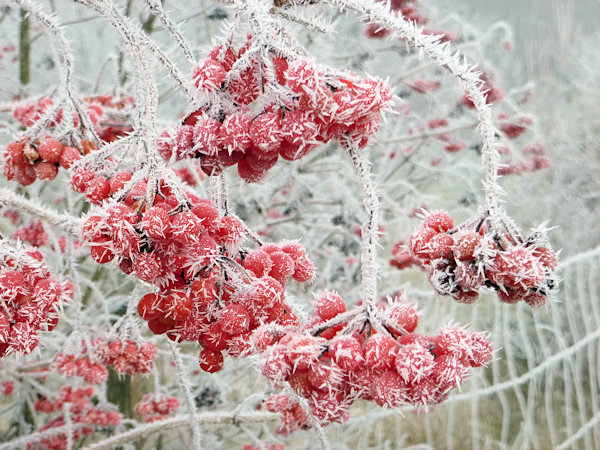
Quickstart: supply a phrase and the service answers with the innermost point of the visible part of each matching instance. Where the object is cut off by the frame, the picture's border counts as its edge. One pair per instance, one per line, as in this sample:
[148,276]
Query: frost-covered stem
[209,418]
[68,424]
[369,229]
[218,193]
[337,320]
[63,221]
[158,11]
[189,397]
[61,49]
[442,55]
[24,48]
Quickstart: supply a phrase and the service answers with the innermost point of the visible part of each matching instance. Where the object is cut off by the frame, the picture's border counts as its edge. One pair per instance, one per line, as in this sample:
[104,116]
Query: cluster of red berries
[331,364]
[27,161]
[311,107]
[210,290]
[97,187]
[462,260]
[537,158]
[73,366]
[29,296]
[153,407]
[126,357]
[33,233]
[82,412]
[292,415]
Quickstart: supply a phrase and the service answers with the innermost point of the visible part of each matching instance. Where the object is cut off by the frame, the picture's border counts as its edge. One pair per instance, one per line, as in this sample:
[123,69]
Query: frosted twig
[158,11]
[68,223]
[369,229]
[209,418]
[189,397]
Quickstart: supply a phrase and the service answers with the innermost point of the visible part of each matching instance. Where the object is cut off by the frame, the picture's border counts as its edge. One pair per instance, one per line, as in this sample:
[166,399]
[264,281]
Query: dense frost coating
[224,204]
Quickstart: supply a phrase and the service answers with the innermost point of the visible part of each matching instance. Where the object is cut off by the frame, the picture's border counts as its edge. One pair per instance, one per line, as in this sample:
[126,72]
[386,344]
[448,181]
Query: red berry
[347,352]
[50,150]
[147,266]
[119,181]
[438,221]
[328,304]
[177,305]
[101,250]
[380,352]
[68,156]
[97,190]
[234,319]
[210,361]
[156,223]
[465,245]
[150,306]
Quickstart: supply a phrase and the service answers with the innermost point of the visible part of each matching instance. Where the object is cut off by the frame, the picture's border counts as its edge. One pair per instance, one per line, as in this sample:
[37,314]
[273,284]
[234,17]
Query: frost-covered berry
[234,319]
[414,363]
[380,352]
[328,304]
[347,352]
[50,150]
[210,361]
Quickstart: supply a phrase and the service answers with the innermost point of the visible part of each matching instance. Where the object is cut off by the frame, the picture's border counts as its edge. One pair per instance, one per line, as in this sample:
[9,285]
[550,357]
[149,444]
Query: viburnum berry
[185,227]
[234,319]
[147,266]
[347,352]
[101,250]
[439,221]
[403,317]
[414,363]
[517,267]
[97,189]
[177,305]
[328,304]
[465,245]
[230,230]
[380,352]
[209,75]
[210,361]
[156,223]
[68,156]
[50,150]
[283,266]
[150,306]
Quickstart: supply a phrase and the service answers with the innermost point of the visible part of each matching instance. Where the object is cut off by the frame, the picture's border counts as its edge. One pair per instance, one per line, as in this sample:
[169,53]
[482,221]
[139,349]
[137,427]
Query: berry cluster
[461,260]
[82,411]
[97,187]
[302,106]
[29,296]
[33,233]
[126,357]
[154,407]
[340,356]
[210,289]
[292,415]
[27,161]
[73,366]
